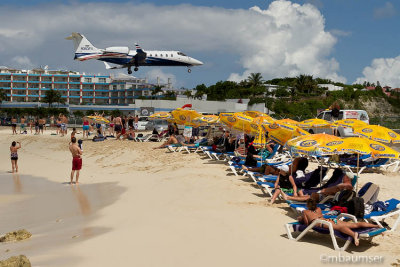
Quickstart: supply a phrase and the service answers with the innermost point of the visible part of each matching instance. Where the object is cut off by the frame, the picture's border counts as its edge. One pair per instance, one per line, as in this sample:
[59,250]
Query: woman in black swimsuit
[14,155]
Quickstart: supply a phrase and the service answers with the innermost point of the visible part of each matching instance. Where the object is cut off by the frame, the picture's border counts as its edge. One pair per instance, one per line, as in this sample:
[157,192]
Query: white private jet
[126,58]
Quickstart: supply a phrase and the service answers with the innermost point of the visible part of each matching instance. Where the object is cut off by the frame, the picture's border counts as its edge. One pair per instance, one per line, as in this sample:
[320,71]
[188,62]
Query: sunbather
[297,168]
[330,188]
[313,213]
[171,140]
[284,182]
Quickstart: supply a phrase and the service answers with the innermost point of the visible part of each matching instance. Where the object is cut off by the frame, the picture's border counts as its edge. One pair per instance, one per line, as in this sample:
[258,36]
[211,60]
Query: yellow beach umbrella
[282,133]
[245,123]
[287,121]
[160,115]
[312,144]
[209,119]
[348,123]
[378,133]
[313,123]
[252,114]
[227,119]
[260,141]
[98,119]
[360,145]
[185,117]
[263,120]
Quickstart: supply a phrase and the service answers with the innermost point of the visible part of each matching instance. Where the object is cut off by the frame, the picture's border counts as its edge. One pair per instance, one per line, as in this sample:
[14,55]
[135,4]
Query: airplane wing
[109,67]
[140,56]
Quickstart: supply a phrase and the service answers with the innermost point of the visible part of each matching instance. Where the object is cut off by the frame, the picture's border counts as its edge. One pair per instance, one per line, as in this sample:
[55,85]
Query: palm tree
[157,89]
[305,84]
[255,80]
[52,96]
[188,94]
[3,95]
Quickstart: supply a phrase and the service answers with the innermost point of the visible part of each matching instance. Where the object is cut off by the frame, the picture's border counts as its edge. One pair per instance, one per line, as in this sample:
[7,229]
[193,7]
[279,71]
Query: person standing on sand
[14,155]
[14,125]
[22,125]
[118,126]
[136,122]
[76,153]
[85,127]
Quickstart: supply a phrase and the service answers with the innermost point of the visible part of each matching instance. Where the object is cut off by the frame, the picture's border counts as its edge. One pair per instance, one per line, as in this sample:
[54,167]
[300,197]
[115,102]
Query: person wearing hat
[284,182]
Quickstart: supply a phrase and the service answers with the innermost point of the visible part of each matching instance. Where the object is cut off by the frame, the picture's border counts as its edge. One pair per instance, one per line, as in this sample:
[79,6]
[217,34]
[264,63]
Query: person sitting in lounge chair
[284,182]
[335,184]
[130,134]
[172,140]
[297,168]
[314,212]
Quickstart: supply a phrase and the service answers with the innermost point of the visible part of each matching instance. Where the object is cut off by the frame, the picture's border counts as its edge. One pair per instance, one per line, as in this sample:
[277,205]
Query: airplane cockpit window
[181,54]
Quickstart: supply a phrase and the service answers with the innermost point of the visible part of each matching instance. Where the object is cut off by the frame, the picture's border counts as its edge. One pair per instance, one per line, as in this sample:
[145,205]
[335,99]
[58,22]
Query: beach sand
[136,206]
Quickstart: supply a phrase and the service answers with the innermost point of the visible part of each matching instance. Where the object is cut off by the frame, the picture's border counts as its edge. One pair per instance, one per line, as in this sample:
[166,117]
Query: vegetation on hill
[300,97]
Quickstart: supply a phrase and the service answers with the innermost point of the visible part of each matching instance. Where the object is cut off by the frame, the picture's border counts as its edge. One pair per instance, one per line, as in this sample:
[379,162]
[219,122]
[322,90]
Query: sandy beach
[136,206]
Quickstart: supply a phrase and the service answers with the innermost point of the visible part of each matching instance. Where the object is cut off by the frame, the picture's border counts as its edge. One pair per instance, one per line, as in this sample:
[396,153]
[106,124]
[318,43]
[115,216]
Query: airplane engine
[117,49]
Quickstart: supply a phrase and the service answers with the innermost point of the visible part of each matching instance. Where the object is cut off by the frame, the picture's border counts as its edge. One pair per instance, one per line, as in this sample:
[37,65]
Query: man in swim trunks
[136,122]
[14,125]
[76,159]
[118,126]
[22,125]
[41,125]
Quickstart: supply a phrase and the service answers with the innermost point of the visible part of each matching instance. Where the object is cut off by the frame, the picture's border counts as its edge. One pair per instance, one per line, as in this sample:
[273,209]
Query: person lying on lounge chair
[330,188]
[297,168]
[313,213]
[130,134]
[172,140]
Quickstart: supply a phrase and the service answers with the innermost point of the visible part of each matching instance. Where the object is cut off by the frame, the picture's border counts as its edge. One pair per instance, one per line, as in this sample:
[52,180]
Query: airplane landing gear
[129,70]
[189,70]
[136,69]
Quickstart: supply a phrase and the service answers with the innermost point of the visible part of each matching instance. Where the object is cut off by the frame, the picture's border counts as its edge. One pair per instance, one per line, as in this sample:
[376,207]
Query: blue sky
[363,30]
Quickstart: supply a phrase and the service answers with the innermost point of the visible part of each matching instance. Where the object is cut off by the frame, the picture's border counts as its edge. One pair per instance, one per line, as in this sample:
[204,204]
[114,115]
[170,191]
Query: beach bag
[343,197]
[356,207]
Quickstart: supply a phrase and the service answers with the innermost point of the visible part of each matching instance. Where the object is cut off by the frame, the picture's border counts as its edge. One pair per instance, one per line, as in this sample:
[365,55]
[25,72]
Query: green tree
[52,96]
[78,113]
[116,113]
[305,84]
[255,80]
[201,90]
[3,95]
[157,89]
[188,94]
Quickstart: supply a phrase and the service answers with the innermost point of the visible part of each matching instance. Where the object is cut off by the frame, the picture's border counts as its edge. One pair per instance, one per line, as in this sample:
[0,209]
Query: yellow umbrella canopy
[227,119]
[282,133]
[99,119]
[252,113]
[263,120]
[244,123]
[313,123]
[208,119]
[160,115]
[360,145]
[378,133]
[287,121]
[348,123]
[312,144]
[185,117]
[260,141]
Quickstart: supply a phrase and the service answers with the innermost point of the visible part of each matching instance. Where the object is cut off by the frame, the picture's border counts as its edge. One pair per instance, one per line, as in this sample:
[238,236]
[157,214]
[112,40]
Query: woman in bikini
[14,155]
[313,213]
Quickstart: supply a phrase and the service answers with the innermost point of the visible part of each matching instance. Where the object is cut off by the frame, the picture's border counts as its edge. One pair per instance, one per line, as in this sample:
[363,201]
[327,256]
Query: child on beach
[76,153]
[313,213]
[14,155]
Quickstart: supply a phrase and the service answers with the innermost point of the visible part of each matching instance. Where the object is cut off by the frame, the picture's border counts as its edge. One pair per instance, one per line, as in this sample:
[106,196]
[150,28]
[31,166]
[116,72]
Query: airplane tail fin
[82,45]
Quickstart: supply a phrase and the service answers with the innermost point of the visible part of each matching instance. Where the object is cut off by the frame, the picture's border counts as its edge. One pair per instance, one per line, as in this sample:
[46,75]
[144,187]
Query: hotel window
[88,80]
[102,80]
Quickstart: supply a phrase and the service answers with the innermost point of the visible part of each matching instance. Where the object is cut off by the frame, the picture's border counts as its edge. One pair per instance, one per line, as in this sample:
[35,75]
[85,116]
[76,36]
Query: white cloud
[22,62]
[384,70]
[157,73]
[386,11]
[286,39]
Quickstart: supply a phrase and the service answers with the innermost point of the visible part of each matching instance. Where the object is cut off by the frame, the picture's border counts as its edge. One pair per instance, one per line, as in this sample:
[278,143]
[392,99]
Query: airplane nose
[196,62]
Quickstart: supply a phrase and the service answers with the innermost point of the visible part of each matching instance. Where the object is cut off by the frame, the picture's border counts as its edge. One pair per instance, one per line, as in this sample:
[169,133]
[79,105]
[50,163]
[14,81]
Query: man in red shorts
[76,159]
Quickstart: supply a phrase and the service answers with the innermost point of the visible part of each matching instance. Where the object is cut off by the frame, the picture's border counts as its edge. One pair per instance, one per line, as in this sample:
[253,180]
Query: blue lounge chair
[364,233]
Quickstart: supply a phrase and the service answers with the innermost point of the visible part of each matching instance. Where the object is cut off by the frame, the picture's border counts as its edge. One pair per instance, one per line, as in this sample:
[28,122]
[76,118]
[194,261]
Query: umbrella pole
[358,167]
